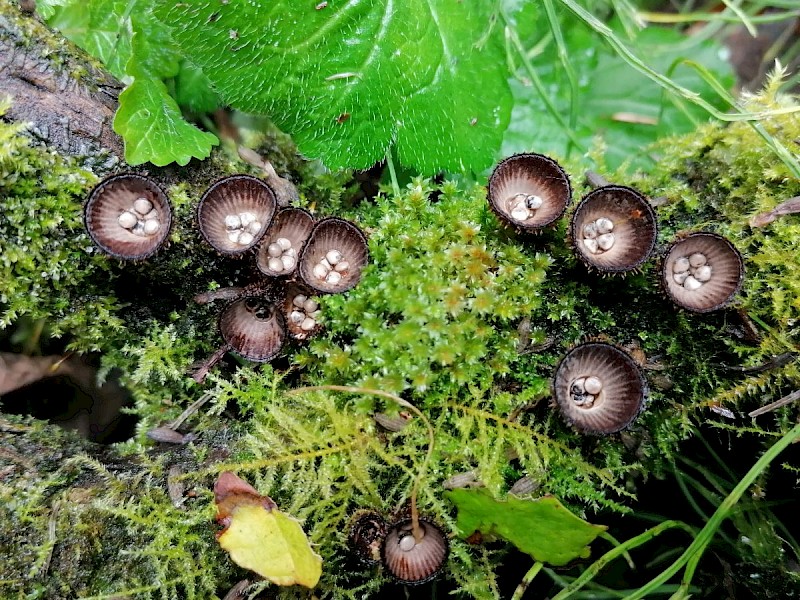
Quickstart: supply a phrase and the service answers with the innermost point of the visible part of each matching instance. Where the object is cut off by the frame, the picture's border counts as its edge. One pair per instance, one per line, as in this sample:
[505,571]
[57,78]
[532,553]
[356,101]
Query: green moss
[77,523]
[48,267]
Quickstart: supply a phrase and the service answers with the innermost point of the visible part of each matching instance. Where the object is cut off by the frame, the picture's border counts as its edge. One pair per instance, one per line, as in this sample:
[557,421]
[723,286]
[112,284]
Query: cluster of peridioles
[297,256]
[598,387]
[411,557]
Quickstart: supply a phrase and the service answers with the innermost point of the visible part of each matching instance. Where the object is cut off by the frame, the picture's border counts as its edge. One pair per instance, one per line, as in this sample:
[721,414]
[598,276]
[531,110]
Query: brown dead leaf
[18,370]
[791,206]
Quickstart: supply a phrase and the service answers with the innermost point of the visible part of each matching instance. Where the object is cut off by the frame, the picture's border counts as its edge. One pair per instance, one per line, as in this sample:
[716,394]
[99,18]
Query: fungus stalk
[417,530]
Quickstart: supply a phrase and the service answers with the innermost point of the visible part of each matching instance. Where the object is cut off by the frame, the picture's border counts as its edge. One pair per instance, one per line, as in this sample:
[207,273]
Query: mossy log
[464,318]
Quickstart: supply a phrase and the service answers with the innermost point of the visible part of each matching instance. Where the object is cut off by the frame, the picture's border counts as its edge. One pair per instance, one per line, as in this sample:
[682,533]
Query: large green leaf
[542,528]
[101,27]
[352,78]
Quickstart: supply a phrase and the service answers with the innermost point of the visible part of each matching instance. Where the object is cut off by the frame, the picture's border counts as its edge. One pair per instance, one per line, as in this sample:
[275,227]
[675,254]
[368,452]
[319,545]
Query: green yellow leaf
[542,528]
[353,78]
[261,538]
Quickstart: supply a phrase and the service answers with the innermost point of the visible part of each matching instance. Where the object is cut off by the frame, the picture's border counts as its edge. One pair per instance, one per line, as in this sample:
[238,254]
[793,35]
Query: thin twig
[596,180]
[793,397]
[52,521]
[193,408]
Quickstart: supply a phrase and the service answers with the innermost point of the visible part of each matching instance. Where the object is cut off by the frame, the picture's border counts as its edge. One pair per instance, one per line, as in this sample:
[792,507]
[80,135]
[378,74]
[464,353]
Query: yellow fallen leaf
[261,538]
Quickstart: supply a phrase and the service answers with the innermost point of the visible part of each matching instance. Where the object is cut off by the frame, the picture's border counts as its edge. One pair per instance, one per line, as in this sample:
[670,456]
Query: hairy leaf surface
[351,79]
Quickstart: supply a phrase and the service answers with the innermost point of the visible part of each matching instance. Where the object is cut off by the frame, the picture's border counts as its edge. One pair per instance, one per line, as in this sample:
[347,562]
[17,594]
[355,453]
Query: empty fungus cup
[529,191]
[613,229]
[598,388]
[366,536]
[128,216]
[334,256]
[234,213]
[702,272]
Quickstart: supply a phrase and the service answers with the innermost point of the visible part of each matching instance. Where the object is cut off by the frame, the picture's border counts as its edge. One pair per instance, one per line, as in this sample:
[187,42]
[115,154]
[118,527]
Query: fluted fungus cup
[234,213]
[702,272]
[280,249]
[598,388]
[334,256]
[253,328]
[413,561]
[613,229]
[128,216]
[529,191]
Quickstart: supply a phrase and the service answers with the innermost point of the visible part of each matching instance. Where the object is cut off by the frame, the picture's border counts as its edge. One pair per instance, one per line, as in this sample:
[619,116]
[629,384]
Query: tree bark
[67,98]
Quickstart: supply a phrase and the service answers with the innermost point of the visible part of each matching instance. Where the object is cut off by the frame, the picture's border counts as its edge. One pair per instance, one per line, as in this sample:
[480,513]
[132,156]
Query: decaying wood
[67,99]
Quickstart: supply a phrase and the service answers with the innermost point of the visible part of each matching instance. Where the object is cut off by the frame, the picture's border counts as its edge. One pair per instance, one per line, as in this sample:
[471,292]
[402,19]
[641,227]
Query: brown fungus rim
[732,253]
[235,347]
[94,228]
[639,213]
[208,198]
[541,166]
[629,375]
[304,268]
[426,523]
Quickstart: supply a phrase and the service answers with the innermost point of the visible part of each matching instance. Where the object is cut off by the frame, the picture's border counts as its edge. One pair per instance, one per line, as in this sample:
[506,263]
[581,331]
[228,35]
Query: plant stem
[659,17]
[639,65]
[693,553]
[612,554]
[526,580]
[566,64]
[511,35]
[392,173]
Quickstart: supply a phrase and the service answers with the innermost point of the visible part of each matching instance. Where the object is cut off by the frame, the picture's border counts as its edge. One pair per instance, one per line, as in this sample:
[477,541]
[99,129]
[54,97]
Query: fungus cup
[598,388]
[414,561]
[234,213]
[365,539]
[301,312]
[283,241]
[613,229]
[334,256]
[702,272]
[253,328]
[529,191]
[128,216]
